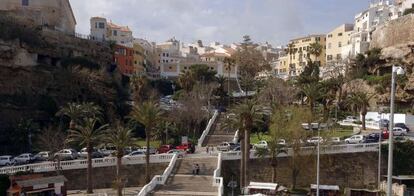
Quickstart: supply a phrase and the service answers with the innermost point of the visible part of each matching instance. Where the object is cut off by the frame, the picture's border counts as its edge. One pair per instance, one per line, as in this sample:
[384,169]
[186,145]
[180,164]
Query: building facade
[335,42]
[102,30]
[56,14]
[124,60]
[299,52]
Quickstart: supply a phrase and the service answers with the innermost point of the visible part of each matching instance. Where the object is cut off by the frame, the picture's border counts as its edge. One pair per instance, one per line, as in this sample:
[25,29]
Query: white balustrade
[217,180]
[159,179]
[207,130]
[81,164]
[334,149]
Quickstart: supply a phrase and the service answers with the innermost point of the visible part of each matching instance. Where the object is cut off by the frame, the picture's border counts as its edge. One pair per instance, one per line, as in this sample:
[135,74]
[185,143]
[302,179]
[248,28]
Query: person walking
[197,169]
[194,169]
[207,149]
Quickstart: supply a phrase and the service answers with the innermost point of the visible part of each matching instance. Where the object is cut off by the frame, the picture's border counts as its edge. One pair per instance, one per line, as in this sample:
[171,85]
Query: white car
[355,139]
[261,144]
[24,158]
[281,142]
[6,160]
[335,140]
[66,154]
[181,153]
[315,140]
[398,131]
[42,156]
[134,154]
[225,146]
[108,150]
[151,150]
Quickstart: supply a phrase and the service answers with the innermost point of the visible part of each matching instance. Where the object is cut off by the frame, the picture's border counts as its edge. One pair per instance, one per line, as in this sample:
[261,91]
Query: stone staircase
[217,134]
[183,182]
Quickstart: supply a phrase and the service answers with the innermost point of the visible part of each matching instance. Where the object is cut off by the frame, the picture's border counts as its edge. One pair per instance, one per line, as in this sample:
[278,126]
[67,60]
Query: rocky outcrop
[394,32]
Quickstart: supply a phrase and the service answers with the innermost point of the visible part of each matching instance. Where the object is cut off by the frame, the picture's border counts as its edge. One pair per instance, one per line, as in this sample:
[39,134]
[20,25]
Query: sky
[225,21]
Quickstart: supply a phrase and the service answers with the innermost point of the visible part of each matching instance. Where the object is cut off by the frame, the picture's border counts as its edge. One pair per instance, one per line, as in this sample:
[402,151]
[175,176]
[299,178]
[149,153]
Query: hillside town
[109,112]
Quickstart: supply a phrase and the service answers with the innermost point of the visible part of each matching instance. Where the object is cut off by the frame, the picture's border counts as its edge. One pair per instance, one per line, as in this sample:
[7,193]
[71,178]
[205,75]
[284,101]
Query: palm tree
[186,81]
[248,114]
[72,110]
[119,137]
[360,100]
[138,83]
[91,110]
[312,93]
[316,49]
[273,150]
[229,63]
[87,134]
[149,115]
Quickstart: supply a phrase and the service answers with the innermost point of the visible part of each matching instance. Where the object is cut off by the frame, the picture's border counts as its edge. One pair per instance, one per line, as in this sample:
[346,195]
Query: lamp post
[395,71]
[379,150]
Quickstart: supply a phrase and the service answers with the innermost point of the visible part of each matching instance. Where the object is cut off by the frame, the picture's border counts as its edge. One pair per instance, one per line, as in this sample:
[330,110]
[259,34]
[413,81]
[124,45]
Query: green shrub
[408,11]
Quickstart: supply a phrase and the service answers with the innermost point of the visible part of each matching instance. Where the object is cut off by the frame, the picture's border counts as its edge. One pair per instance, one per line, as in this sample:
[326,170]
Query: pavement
[129,191]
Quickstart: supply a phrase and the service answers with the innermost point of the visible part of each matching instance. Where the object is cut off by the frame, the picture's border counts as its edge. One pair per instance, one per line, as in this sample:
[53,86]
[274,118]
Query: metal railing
[81,164]
[334,149]
[207,130]
[217,179]
[158,179]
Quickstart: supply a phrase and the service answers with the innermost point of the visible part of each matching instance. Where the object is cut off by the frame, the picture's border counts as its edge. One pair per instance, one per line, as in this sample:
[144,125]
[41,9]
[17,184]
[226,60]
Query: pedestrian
[207,149]
[194,169]
[197,169]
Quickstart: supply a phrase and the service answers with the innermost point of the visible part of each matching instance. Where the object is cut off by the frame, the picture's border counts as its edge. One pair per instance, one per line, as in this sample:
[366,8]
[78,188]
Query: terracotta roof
[121,28]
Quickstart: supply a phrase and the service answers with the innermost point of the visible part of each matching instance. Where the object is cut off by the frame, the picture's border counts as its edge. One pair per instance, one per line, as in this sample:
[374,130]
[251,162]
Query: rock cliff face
[38,77]
[395,32]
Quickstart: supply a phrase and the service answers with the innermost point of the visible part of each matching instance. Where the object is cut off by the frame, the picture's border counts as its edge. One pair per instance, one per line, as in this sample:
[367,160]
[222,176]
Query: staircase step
[179,193]
[188,183]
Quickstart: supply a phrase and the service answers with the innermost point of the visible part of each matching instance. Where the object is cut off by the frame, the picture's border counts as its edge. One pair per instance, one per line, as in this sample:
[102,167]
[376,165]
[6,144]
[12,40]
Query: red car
[165,148]
[385,135]
[189,148]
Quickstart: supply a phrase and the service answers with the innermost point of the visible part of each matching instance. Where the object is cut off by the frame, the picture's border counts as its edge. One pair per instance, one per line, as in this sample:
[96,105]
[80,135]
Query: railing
[217,180]
[368,124]
[207,130]
[236,137]
[81,164]
[158,179]
[336,149]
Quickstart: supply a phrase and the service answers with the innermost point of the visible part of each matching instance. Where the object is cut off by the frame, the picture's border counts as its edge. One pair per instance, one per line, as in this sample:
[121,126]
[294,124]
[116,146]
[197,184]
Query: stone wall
[346,170]
[104,176]
[395,32]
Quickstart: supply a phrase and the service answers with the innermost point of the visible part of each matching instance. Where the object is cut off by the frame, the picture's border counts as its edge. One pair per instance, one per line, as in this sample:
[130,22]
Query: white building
[102,30]
[378,13]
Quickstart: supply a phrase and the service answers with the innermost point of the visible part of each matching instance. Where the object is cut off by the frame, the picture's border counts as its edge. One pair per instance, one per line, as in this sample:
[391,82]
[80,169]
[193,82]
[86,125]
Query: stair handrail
[207,130]
[217,179]
[159,179]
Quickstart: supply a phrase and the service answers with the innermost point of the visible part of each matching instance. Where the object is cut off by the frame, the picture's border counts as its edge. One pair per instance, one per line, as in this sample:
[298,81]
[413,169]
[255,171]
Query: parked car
[315,140]
[6,160]
[385,134]
[188,147]
[165,148]
[281,142]
[372,138]
[225,146]
[43,156]
[107,150]
[398,131]
[352,118]
[260,144]
[130,149]
[66,154]
[24,158]
[151,150]
[134,154]
[180,153]
[95,153]
[237,148]
[402,125]
[383,123]
[355,139]
[335,140]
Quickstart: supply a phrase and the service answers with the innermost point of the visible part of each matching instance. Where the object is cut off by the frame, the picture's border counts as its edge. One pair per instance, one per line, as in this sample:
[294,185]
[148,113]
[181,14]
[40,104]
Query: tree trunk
[147,157]
[228,88]
[89,170]
[363,121]
[72,124]
[274,167]
[118,173]
[242,160]
[247,154]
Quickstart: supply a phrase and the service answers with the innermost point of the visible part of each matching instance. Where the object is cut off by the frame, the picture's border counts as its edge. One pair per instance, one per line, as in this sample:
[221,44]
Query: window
[329,45]
[338,57]
[339,44]
[25,2]
[101,25]
[96,25]
[339,34]
[115,33]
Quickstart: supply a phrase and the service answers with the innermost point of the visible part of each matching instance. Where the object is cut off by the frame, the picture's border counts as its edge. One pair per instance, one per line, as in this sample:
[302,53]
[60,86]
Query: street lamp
[395,71]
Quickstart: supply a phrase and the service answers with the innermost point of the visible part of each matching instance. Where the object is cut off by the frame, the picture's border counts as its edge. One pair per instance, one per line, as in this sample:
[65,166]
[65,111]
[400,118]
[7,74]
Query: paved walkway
[129,191]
